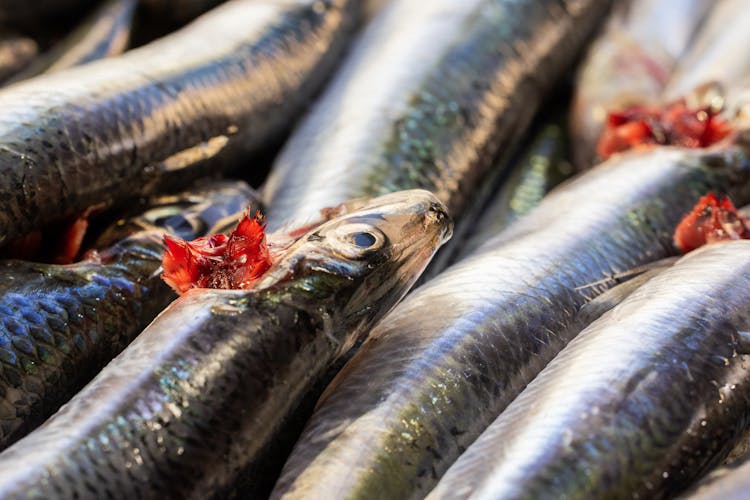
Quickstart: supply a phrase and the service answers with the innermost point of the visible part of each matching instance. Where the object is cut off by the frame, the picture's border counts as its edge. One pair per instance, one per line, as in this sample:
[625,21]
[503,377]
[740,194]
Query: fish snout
[437,214]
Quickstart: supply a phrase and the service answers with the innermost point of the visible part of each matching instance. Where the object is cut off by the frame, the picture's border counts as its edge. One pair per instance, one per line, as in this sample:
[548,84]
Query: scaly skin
[200,393]
[450,357]
[105,33]
[428,104]
[638,404]
[59,325]
[541,166]
[219,88]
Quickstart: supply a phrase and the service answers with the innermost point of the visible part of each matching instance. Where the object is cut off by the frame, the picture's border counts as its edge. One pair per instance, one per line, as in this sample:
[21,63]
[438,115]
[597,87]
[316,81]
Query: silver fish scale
[428,105]
[59,326]
[107,131]
[638,404]
[451,356]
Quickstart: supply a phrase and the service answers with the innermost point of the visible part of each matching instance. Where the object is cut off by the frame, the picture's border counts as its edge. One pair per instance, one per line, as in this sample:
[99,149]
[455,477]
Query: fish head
[207,208]
[357,266]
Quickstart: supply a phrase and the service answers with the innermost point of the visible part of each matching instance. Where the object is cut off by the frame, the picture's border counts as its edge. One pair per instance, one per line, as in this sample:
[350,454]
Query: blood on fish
[675,124]
[235,261]
[712,219]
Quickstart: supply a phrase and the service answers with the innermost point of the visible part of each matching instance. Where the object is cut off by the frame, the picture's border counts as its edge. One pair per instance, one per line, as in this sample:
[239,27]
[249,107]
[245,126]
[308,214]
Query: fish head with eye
[356,267]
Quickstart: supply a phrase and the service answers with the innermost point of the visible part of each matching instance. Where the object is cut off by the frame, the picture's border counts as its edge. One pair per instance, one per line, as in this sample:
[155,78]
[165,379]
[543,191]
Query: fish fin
[624,276]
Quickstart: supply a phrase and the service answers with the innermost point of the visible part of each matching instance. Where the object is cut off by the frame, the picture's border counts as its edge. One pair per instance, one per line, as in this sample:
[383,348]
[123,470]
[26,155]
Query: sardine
[218,89]
[428,104]
[638,404]
[718,53]
[731,482]
[438,369]
[542,164]
[631,62]
[200,393]
[59,325]
[105,33]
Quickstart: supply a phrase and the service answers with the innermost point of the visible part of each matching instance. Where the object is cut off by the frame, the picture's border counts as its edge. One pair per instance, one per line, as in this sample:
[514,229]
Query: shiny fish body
[105,33]
[730,482]
[428,104]
[227,83]
[541,166]
[631,62]
[718,53]
[438,369]
[638,404]
[200,393]
[59,325]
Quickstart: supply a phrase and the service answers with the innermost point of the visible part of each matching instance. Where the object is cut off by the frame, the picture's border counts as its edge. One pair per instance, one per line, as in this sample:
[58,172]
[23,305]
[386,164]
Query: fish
[729,482]
[630,62]
[197,101]
[427,104]
[717,55]
[105,33]
[201,391]
[451,356]
[541,165]
[16,52]
[60,324]
[639,404]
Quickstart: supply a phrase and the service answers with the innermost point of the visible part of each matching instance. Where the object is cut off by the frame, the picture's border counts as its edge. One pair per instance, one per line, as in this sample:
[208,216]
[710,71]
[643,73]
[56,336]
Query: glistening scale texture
[639,404]
[59,325]
[428,104]
[229,82]
[201,392]
[454,353]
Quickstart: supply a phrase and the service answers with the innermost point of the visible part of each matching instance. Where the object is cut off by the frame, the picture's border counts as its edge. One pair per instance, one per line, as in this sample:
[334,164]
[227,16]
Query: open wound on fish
[712,219]
[675,124]
[234,261]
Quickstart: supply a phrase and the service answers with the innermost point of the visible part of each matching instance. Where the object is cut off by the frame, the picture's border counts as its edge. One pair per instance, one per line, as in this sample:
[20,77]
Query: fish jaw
[359,265]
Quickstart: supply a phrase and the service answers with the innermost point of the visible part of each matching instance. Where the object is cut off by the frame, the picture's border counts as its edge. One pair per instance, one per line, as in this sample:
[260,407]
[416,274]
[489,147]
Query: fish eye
[355,241]
[363,239]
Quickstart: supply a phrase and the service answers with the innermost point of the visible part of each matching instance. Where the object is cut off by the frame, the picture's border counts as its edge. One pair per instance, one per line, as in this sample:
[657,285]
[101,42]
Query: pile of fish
[492,249]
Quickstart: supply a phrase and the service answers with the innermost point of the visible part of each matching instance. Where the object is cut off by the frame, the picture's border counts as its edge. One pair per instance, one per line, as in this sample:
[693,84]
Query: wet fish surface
[729,482]
[428,104]
[105,33]
[717,53]
[541,165]
[631,62]
[444,364]
[196,397]
[638,404]
[60,324]
[218,89]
